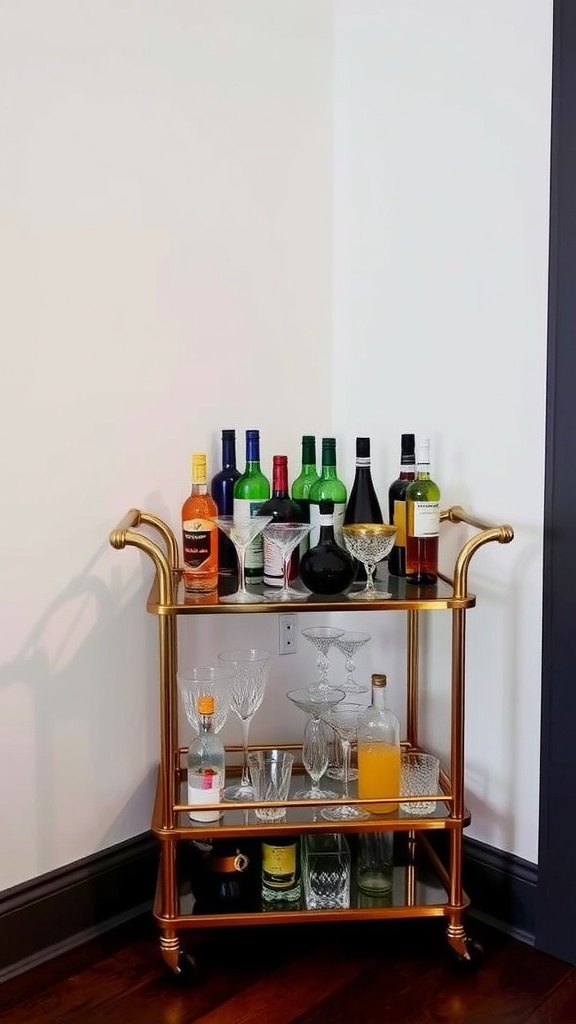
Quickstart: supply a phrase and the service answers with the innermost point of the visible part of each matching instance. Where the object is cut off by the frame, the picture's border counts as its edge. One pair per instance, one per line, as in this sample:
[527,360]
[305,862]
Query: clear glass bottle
[283,509]
[327,568]
[422,522]
[206,763]
[328,488]
[222,491]
[379,750]
[397,504]
[199,533]
[280,870]
[251,490]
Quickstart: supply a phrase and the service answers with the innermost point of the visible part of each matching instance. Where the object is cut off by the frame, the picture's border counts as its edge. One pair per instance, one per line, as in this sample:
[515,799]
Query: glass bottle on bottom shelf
[280,871]
[206,764]
[379,750]
[199,533]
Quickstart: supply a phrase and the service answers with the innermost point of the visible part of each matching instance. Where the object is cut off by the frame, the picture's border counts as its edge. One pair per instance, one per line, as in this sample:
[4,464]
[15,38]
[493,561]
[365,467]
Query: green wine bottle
[328,488]
[302,484]
[251,490]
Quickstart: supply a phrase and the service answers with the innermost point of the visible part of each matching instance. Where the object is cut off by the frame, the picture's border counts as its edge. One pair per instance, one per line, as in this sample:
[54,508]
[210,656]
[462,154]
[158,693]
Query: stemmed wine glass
[199,681]
[241,532]
[316,747]
[344,720]
[285,537]
[323,638]
[349,643]
[369,543]
[248,675]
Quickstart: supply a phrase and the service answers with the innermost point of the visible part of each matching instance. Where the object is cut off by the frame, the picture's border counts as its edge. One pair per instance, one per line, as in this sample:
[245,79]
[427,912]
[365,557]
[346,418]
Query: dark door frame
[556,890]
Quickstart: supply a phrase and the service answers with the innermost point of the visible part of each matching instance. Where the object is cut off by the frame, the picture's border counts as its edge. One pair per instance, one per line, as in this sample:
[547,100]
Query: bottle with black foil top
[222,491]
[363,505]
[397,504]
[327,568]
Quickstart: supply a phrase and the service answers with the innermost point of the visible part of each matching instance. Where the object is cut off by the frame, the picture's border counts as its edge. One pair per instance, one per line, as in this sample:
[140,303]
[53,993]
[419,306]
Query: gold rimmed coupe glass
[370,543]
[241,532]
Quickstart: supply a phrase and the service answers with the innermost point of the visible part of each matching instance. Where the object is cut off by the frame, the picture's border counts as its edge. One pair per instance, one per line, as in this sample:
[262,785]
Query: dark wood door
[556,893]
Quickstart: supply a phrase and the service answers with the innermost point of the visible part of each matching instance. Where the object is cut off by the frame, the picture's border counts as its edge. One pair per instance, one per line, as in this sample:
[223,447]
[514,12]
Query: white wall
[174,259]
[441,164]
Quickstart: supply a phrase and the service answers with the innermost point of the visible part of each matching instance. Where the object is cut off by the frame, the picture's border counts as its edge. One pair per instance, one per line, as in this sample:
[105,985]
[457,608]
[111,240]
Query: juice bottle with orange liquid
[379,750]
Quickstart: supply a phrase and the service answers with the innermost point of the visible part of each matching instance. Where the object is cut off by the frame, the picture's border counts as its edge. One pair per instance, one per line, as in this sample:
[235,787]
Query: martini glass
[285,537]
[369,543]
[349,643]
[241,532]
[344,720]
[315,748]
[199,681]
[248,674]
[323,638]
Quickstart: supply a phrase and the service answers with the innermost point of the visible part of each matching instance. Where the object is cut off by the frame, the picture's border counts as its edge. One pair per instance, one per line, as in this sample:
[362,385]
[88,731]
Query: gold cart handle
[165,563]
[489,532]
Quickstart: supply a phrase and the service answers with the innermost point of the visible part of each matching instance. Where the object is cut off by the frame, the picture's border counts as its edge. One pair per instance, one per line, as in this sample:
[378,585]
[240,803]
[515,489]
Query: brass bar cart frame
[170,821]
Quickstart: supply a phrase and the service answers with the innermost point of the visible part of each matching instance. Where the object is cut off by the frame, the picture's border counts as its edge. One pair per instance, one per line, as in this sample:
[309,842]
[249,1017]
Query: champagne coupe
[316,748]
[241,532]
[200,681]
[349,643]
[285,537]
[369,543]
[248,674]
[344,720]
[323,638]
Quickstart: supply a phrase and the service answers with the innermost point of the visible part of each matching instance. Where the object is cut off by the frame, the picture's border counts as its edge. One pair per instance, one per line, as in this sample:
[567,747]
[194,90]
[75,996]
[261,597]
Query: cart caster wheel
[470,960]
[187,969]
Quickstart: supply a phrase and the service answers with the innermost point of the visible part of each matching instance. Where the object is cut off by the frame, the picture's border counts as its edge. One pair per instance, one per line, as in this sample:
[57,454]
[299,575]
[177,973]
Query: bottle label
[273,564]
[279,866]
[205,786]
[400,523]
[423,518]
[338,516]
[246,508]
[197,536]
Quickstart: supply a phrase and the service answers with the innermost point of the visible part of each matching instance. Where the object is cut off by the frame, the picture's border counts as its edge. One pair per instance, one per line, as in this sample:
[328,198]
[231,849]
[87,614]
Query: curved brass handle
[503,534]
[165,564]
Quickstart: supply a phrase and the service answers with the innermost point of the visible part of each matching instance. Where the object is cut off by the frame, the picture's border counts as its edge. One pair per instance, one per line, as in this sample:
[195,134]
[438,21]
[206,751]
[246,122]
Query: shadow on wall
[89,668]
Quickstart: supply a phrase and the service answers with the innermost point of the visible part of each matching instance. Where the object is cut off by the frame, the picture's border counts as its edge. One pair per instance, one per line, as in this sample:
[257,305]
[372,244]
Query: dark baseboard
[46,916]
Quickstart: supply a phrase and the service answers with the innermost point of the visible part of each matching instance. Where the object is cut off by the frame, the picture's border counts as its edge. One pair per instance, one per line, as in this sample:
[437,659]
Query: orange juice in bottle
[379,751]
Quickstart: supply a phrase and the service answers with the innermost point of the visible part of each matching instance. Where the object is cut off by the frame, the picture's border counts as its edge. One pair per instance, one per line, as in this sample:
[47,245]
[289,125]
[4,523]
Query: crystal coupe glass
[323,638]
[286,537]
[248,674]
[350,642]
[241,532]
[315,748]
[369,543]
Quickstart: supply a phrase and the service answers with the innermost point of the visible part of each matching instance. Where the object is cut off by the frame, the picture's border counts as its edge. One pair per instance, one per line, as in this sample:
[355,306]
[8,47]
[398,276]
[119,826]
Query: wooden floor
[383,972]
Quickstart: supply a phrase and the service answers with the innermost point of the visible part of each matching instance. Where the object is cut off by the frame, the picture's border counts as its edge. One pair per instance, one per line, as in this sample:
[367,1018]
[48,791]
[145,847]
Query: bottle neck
[328,460]
[379,696]
[206,723]
[228,453]
[326,523]
[199,488]
[253,452]
[280,476]
[309,454]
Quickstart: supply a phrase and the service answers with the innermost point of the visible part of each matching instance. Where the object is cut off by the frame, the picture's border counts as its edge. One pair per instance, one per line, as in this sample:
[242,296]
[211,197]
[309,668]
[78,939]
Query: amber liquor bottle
[199,533]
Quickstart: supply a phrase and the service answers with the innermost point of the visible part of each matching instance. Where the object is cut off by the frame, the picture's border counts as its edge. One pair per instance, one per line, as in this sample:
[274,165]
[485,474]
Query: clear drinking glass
[316,745]
[241,532]
[349,643]
[369,543]
[326,871]
[344,720]
[248,674]
[205,680]
[419,776]
[323,638]
[286,537]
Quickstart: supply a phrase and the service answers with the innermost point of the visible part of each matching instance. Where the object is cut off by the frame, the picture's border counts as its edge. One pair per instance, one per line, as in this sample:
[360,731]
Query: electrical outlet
[287,633]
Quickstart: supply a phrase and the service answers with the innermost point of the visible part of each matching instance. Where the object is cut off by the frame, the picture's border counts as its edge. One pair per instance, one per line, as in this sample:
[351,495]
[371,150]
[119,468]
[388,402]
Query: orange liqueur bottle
[199,533]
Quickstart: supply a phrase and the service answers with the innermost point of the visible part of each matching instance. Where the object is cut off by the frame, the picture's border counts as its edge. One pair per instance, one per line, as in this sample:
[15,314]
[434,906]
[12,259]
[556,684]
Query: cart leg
[468,954]
[180,962]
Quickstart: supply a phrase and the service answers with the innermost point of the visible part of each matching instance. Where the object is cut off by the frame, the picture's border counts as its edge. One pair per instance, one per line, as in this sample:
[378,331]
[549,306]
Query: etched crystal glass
[241,532]
[370,543]
[286,537]
[323,638]
[248,674]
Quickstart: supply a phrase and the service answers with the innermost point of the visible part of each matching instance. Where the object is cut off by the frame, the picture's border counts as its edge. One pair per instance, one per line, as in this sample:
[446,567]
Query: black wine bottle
[397,504]
[222,491]
[283,509]
[326,568]
[363,505]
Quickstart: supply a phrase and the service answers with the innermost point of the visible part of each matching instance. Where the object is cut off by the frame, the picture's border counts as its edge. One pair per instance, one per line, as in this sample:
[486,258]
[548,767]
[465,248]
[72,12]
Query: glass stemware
[344,720]
[349,643]
[285,537]
[241,532]
[248,675]
[369,543]
[200,681]
[316,747]
[323,638]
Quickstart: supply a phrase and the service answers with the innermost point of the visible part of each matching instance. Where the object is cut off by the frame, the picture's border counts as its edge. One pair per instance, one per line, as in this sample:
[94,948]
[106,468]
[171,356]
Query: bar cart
[430,884]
